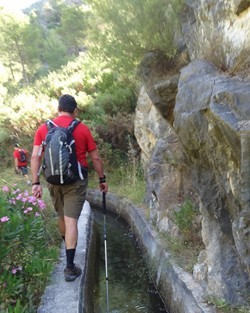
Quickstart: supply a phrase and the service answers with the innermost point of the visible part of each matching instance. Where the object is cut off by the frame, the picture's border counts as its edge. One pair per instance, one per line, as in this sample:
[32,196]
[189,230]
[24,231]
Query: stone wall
[193,126]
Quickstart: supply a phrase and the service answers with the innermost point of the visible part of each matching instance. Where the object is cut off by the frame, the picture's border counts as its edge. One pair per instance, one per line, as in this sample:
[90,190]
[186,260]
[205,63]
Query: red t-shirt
[84,140]
[16,155]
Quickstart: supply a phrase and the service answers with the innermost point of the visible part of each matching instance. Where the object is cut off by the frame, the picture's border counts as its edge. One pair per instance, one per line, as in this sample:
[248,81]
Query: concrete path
[61,296]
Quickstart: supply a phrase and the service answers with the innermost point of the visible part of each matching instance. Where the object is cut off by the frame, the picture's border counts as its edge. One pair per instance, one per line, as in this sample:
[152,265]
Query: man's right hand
[37,191]
[103,187]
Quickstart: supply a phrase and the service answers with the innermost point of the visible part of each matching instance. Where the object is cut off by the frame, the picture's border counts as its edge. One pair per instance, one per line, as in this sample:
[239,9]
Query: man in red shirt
[21,161]
[68,200]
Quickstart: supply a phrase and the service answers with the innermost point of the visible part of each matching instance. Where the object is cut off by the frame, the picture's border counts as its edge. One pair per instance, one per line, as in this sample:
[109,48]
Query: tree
[19,44]
[72,29]
[55,52]
[126,30]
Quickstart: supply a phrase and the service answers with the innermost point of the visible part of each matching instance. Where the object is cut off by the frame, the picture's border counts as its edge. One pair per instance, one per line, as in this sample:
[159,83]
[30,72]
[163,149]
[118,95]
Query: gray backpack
[60,165]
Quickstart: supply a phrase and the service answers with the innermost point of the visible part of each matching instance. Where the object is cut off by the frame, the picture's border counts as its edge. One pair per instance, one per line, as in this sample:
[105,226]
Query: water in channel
[129,286]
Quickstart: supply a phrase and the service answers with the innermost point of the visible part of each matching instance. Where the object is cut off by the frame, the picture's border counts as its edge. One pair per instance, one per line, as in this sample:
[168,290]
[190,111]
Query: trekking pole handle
[104,202]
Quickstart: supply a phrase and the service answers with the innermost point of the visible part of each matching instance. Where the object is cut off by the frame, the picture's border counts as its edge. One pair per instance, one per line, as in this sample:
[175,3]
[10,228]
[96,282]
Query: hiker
[21,161]
[68,199]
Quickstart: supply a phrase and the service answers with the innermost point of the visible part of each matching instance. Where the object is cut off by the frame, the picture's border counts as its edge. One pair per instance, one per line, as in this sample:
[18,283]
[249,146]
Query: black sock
[63,237]
[70,255]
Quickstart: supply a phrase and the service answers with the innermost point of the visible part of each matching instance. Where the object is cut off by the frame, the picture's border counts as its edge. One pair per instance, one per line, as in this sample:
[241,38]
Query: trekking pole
[105,248]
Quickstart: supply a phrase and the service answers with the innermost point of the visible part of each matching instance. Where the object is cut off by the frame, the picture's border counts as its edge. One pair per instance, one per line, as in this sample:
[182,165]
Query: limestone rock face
[149,125]
[219,31]
[193,127]
[161,155]
[212,120]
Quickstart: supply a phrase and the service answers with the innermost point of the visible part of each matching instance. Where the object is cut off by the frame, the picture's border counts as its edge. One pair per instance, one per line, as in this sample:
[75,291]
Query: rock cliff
[193,126]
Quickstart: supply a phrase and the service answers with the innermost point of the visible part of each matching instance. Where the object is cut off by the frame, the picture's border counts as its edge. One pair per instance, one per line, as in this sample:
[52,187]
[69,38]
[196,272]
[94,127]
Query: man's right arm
[98,165]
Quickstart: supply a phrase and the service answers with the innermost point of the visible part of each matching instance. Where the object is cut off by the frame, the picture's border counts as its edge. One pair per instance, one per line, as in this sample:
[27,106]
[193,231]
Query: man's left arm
[35,167]
[16,163]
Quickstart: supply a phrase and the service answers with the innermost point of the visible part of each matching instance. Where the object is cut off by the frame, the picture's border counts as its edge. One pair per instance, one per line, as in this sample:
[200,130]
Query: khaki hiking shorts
[68,200]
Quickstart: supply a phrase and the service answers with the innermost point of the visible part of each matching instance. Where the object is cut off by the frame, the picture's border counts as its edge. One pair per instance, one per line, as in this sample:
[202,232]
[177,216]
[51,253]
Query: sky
[17,4]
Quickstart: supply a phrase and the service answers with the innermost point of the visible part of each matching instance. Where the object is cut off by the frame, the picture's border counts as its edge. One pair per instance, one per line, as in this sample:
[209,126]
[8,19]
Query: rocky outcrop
[212,121]
[218,31]
[162,158]
[197,142]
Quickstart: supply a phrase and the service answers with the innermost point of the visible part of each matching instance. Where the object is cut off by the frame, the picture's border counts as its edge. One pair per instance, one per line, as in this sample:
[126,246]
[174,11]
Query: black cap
[67,103]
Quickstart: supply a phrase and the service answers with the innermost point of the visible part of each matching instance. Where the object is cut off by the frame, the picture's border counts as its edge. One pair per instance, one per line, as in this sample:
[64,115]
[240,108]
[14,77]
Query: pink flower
[16,269]
[19,197]
[32,200]
[4,219]
[29,208]
[5,189]
[41,204]
[37,214]
[25,211]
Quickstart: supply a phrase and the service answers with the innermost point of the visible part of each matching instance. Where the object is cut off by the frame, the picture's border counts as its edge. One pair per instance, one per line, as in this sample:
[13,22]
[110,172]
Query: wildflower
[16,269]
[19,197]
[25,211]
[24,199]
[37,214]
[29,208]
[41,204]
[12,201]
[4,219]
[16,191]
[5,189]
[32,199]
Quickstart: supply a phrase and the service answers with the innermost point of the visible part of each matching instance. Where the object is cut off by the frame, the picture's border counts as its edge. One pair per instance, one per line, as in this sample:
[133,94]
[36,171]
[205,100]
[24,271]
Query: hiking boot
[71,274]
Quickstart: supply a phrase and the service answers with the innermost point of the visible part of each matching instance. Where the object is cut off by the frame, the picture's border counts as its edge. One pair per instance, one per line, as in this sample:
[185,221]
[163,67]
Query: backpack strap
[50,124]
[73,125]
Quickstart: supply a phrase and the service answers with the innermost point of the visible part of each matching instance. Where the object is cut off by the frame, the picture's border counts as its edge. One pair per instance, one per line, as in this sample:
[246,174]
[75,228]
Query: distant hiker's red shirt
[84,140]
[16,155]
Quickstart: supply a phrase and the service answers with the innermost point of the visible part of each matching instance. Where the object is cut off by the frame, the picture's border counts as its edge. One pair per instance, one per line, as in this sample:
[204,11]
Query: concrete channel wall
[179,291]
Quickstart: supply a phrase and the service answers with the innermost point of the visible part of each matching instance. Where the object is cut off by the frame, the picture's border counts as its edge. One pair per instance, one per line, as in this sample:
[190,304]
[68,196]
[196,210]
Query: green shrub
[184,217]
[26,256]
[122,31]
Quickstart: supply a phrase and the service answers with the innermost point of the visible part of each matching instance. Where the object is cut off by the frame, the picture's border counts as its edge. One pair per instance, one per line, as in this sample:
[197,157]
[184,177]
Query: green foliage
[125,173]
[126,30]
[118,131]
[224,307]
[184,217]
[26,256]
[24,113]
[185,253]
[115,94]
[16,35]
[73,26]
[55,52]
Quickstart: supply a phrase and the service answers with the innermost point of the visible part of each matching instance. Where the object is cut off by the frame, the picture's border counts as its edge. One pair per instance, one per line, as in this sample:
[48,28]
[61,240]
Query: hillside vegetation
[71,47]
